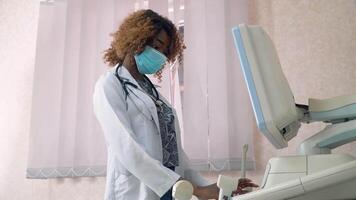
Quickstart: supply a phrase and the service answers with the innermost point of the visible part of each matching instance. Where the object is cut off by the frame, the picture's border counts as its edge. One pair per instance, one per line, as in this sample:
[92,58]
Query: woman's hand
[212,191]
[206,192]
[244,183]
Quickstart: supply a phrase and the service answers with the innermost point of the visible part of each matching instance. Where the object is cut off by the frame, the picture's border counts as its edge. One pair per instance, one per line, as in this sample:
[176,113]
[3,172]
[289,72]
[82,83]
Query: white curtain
[65,138]
[217,114]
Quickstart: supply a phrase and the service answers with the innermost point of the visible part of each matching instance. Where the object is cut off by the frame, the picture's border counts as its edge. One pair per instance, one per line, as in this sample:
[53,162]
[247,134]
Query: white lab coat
[134,165]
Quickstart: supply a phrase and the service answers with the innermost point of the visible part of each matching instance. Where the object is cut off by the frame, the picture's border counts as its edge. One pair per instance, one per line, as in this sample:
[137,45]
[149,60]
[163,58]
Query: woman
[145,157]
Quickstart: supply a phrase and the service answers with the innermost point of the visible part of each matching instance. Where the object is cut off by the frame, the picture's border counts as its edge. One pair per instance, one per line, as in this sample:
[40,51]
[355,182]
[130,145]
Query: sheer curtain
[65,138]
[217,113]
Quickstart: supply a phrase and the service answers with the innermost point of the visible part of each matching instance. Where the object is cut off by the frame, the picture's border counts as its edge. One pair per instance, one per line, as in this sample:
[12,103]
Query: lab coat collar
[148,102]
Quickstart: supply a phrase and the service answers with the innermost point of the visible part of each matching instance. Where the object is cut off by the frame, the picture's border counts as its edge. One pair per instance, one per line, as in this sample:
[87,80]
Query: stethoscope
[126,82]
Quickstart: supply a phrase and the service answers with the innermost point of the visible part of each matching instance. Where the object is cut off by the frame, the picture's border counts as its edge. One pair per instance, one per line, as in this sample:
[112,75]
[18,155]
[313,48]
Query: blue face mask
[150,61]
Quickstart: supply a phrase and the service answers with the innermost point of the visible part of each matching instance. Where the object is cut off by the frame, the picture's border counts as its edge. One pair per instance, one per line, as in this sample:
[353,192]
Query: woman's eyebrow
[160,41]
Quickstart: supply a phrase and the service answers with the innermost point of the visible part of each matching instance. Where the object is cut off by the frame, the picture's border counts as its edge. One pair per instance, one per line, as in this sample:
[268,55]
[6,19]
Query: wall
[315,40]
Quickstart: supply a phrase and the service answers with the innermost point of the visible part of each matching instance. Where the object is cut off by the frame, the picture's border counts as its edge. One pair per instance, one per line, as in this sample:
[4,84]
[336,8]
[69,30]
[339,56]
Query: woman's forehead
[162,37]
[162,41]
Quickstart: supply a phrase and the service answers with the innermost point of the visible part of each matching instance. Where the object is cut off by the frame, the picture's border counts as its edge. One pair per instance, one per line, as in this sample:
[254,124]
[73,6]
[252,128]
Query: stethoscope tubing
[127,90]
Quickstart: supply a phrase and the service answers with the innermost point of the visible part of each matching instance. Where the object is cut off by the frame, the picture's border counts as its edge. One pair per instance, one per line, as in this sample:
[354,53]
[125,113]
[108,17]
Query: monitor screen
[271,97]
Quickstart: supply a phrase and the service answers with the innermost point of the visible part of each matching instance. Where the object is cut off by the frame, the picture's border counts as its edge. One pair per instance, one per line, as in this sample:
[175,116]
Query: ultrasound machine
[314,173]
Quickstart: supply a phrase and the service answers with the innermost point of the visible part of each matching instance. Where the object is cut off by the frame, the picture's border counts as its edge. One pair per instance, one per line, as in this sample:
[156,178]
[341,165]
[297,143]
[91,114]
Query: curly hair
[138,30]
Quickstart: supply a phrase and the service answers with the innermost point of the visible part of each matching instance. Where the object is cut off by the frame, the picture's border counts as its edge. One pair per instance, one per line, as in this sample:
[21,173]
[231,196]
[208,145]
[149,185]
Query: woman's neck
[130,65]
